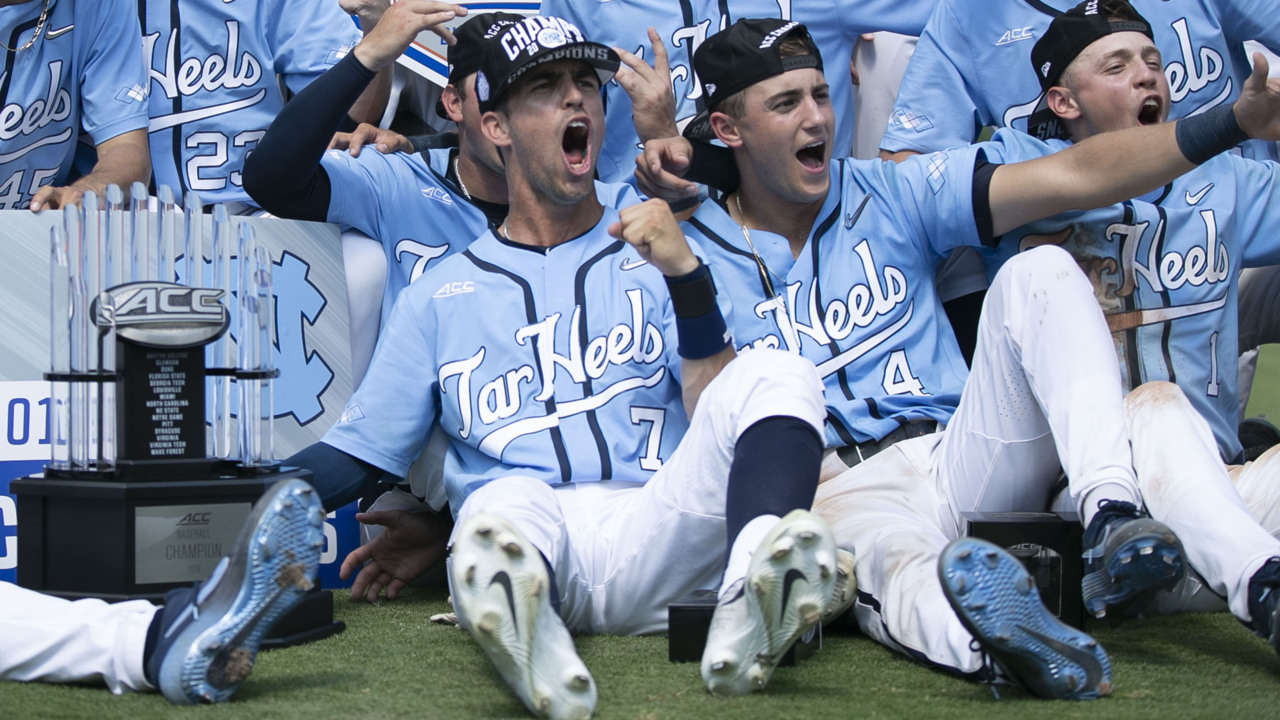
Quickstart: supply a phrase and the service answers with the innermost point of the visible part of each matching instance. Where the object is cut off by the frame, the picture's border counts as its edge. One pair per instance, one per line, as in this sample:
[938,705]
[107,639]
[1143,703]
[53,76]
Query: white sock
[1106,491]
[750,537]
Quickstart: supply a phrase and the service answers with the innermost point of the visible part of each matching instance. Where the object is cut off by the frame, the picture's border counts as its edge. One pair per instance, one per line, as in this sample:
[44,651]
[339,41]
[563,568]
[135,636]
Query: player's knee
[1154,399]
[1047,270]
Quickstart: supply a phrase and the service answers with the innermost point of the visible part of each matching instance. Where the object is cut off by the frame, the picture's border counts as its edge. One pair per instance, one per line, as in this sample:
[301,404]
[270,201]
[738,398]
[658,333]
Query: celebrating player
[965,62]
[1164,268]
[837,26]
[201,644]
[547,351]
[70,65]
[421,207]
[833,260]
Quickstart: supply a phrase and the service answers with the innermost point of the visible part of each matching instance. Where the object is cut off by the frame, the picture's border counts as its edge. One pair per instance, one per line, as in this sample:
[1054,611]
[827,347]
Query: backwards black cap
[464,55]
[510,51]
[742,55]
[1076,29]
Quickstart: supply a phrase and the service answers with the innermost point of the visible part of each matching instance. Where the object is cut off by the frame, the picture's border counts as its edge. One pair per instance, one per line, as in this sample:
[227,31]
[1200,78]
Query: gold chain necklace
[44,15]
[765,281]
[457,170]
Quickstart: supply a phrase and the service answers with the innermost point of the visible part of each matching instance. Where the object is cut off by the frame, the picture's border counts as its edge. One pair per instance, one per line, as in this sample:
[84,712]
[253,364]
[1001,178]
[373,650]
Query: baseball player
[69,65]
[1172,315]
[964,59]
[564,363]
[621,24]
[217,73]
[834,261]
[422,207]
[200,645]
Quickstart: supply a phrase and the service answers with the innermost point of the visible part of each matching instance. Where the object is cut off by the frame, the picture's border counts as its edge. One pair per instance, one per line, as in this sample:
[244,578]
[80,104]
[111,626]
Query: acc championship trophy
[135,499]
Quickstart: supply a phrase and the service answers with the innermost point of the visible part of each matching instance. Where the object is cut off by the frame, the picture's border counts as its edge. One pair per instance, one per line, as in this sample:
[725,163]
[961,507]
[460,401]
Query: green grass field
[392,663]
[1265,398]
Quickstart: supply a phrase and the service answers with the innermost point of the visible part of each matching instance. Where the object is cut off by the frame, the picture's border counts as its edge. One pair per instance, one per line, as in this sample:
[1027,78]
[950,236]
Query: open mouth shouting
[1151,112]
[813,156]
[576,145]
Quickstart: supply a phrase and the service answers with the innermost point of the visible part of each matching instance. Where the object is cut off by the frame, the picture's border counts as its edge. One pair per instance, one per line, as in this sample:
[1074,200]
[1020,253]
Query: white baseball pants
[622,552]
[49,639]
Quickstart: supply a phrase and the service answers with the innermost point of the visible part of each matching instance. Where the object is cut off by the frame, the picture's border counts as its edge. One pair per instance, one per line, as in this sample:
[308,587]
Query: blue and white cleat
[210,633]
[502,595]
[789,583]
[1264,602]
[998,603]
[1128,558]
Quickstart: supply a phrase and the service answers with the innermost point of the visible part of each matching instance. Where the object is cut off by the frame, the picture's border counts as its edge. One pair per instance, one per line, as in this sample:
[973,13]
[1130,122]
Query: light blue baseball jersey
[972,68]
[1164,269]
[684,24]
[859,301]
[559,365]
[213,70]
[85,71]
[405,202]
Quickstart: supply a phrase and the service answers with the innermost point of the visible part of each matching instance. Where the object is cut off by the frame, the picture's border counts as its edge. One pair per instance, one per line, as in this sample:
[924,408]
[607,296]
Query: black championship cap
[1076,29]
[741,56]
[510,51]
[1066,37]
[464,55]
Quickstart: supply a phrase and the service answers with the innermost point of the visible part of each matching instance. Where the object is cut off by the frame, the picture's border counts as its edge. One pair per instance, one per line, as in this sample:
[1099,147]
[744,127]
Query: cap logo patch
[1091,8]
[551,37]
[536,33]
[482,87]
[1044,69]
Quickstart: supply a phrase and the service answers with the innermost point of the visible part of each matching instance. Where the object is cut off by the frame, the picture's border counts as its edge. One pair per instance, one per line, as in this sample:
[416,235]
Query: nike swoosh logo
[51,33]
[1085,659]
[789,581]
[633,264]
[164,122]
[503,579]
[1193,198]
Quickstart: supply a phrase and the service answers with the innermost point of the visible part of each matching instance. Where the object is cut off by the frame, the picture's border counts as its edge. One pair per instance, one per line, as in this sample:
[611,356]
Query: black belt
[854,454]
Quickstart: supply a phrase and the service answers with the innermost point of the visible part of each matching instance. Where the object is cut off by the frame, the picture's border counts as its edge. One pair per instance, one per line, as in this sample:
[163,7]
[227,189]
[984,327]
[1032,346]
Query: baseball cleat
[1128,558]
[845,589]
[789,582]
[210,633]
[1264,602]
[501,593]
[998,603]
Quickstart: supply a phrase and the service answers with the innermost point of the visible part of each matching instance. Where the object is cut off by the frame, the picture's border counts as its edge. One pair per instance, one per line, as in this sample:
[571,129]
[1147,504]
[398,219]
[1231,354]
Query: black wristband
[1202,136]
[692,294]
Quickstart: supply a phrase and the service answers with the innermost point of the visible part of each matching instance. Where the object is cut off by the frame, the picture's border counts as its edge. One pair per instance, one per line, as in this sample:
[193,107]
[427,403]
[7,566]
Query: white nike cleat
[501,593]
[788,584]
[845,589]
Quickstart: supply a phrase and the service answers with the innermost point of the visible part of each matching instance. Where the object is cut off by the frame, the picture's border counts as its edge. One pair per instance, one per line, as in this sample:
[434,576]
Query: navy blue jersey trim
[1041,7]
[1129,303]
[1166,328]
[724,244]
[530,312]
[584,336]
[175,24]
[10,56]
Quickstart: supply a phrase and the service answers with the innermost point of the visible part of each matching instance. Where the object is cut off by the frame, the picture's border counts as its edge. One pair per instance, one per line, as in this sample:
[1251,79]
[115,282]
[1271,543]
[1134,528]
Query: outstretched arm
[283,174]
[1116,166]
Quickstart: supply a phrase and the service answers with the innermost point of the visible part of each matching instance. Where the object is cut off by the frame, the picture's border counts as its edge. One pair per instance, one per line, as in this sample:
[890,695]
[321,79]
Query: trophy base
[120,540]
